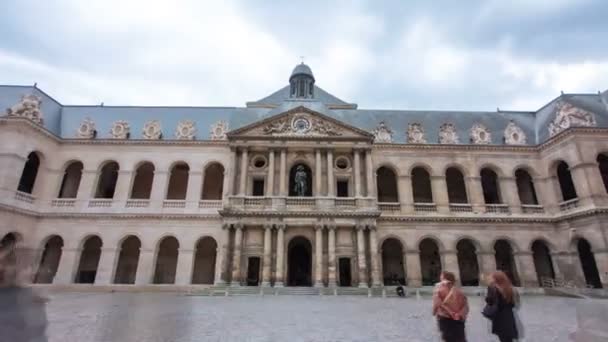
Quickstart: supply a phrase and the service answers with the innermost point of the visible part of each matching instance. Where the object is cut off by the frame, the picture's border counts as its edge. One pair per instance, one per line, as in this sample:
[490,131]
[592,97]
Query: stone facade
[221,211]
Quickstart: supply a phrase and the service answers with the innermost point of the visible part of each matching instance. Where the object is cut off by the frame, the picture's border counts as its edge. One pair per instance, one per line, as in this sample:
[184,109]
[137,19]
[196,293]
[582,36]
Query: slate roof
[64,120]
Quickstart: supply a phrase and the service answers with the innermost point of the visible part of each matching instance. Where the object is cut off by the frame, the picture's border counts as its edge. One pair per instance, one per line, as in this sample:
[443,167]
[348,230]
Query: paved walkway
[134,317]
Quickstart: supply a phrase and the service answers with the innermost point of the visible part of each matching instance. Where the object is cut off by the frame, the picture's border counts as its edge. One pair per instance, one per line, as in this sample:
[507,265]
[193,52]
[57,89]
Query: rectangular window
[258,187]
[342,188]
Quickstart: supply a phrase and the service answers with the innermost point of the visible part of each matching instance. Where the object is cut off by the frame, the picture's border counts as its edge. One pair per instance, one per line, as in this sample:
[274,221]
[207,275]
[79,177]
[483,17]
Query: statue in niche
[300,181]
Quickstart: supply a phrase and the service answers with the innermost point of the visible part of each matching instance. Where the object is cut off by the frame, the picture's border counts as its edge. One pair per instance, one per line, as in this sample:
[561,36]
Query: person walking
[501,299]
[450,306]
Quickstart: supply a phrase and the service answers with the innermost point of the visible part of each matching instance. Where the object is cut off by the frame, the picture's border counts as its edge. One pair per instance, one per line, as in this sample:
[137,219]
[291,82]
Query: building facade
[303,189]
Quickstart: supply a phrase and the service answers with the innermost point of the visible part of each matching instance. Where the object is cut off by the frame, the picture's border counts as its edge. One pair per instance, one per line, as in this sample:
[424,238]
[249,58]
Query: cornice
[330,214]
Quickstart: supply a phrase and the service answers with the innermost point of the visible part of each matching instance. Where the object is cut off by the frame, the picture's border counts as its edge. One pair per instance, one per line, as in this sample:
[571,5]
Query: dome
[301,69]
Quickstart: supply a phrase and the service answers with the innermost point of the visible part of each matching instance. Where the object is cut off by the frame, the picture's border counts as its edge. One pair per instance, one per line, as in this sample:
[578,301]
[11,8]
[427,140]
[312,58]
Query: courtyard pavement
[94,317]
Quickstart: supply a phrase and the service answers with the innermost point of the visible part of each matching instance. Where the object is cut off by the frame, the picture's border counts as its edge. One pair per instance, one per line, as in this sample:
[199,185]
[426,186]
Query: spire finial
[301,59]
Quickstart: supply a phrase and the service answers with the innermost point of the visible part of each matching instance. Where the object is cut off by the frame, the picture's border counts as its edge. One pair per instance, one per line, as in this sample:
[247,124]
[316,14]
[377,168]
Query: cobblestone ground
[169,317]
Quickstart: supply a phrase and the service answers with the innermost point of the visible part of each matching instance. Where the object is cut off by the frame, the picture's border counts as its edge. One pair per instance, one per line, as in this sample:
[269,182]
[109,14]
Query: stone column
[357,172]
[145,267]
[123,187]
[406,196]
[12,168]
[283,174]
[414,271]
[331,260]
[439,189]
[270,180]
[547,195]
[86,188]
[278,282]
[236,261]
[330,174]
[195,188]
[526,269]
[50,185]
[588,183]
[475,192]
[361,255]
[185,264]
[450,263]
[107,264]
[373,244]
[224,272]
[267,255]
[244,167]
[66,271]
[229,179]
[487,265]
[159,187]
[318,173]
[318,255]
[369,174]
[508,187]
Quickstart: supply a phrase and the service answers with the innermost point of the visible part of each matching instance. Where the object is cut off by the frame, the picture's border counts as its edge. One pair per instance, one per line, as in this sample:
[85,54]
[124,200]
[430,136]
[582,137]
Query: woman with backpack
[450,306]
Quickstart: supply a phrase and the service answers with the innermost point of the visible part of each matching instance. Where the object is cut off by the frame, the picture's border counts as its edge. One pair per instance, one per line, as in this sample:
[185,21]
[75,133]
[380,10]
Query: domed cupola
[302,82]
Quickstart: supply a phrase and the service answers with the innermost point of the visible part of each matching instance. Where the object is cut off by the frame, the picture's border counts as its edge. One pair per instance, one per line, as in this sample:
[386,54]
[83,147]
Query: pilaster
[361,255]
[195,188]
[106,266]
[185,264]
[439,188]
[244,169]
[508,185]
[476,194]
[331,244]
[357,172]
[319,255]
[330,174]
[375,258]
[145,267]
[266,267]
[526,269]
[67,266]
[487,265]
[406,196]
[450,263]
[414,271]
[280,275]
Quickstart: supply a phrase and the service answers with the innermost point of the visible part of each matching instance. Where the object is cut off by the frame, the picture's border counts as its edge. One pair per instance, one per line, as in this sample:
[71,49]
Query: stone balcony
[282,203]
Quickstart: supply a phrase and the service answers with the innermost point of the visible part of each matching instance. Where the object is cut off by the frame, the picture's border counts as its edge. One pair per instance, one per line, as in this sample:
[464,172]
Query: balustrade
[63,203]
[389,207]
[24,197]
[461,208]
[137,203]
[532,209]
[497,209]
[100,203]
[174,204]
[425,207]
[569,204]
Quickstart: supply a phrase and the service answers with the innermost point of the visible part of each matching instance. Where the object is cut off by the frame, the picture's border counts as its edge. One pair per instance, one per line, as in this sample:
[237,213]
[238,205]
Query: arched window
[602,161]
[430,262]
[178,182]
[30,171]
[565,181]
[393,269]
[525,187]
[49,263]
[542,261]
[585,254]
[106,184]
[505,261]
[71,180]
[491,190]
[89,261]
[8,246]
[386,183]
[166,261]
[300,180]
[421,186]
[213,183]
[142,182]
[467,263]
[457,190]
[204,261]
[126,268]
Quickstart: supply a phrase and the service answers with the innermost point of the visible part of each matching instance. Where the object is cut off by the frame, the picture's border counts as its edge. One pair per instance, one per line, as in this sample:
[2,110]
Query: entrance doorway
[345,272]
[253,271]
[299,262]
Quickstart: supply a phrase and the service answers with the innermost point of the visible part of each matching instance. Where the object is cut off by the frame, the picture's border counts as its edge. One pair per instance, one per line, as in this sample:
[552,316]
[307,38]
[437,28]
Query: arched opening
[71,180]
[602,163]
[89,261]
[491,190]
[126,268]
[386,183]
[142,182]
[542,261]
[204,261]
[566,184]
[430,262]
[8,246]
[213,183]
[525,187]
[106,184]
[299,262]
[505,261]
[30,171]
[467,263]
[300,180]
[457,190]
[592,275]
[178,182]
[49,262]
[421,186]
[166,261]
[393,270]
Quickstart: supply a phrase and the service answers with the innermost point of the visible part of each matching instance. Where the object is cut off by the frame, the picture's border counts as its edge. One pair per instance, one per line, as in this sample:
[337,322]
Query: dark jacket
[503,323]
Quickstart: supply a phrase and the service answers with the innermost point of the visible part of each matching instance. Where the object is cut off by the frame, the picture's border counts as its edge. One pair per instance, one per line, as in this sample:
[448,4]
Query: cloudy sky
[440,54]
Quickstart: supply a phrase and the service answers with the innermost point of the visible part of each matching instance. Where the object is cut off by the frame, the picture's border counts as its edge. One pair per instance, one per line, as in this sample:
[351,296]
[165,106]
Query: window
[342,188]
[258,187]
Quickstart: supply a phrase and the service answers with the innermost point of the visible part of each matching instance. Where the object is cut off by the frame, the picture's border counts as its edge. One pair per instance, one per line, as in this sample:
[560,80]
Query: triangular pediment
[300,123]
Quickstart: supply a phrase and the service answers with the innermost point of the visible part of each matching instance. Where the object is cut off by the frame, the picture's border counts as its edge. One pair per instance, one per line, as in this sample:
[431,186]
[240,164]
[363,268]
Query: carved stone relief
[301,124]
[218,130]
[382,134]
[186,130]
[480,134]
[28,107]
[415,134]
[514,135]
[86,130]
[120,130]
[567,115]
[447,134]
[152,130]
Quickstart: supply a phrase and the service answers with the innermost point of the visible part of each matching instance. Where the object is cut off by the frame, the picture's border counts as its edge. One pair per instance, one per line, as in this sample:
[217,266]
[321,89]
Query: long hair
[503,284]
